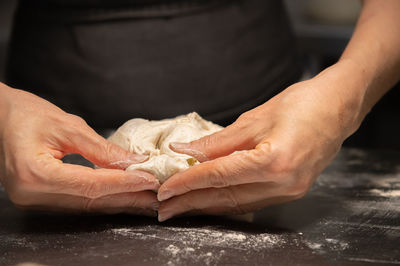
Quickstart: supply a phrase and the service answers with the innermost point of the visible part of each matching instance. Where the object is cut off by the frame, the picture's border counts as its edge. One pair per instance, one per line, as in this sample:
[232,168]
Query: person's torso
[152,59]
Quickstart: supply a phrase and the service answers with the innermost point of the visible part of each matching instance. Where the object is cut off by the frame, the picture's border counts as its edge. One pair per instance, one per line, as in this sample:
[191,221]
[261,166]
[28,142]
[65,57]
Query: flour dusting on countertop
[204,244]
[385,193]
[327,244]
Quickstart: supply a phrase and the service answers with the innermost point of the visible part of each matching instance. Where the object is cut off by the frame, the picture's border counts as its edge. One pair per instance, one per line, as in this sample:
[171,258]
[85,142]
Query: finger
[232,138]
[221,201]
[143,203]
[99,151]
[58,177]
[235,169]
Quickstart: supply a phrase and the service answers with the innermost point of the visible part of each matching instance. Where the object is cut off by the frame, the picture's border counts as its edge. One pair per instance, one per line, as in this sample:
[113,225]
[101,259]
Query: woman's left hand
[286,143]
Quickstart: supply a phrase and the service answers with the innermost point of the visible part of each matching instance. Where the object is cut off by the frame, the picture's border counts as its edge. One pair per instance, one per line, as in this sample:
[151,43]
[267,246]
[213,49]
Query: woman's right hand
[35,135]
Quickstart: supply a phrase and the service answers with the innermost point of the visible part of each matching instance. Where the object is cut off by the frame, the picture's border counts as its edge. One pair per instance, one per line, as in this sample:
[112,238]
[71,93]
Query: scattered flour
[235,237]
[313,246]
[385,193]
[206,245]
[336,244]
[199,237]
[173,250]
[18,242]
[329,244]
[123,231]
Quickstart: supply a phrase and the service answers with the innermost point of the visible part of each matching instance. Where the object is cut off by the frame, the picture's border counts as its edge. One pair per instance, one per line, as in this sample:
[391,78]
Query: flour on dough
[152,138]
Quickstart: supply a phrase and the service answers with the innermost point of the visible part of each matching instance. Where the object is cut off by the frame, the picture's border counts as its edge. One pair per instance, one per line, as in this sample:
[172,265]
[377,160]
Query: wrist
[4,102]
[346,85]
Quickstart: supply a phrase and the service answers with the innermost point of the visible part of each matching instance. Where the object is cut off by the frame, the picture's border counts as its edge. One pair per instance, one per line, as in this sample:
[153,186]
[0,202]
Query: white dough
[152,138]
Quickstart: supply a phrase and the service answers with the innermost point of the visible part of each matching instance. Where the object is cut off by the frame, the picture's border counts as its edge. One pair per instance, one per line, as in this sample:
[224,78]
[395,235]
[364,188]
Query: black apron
[153,59]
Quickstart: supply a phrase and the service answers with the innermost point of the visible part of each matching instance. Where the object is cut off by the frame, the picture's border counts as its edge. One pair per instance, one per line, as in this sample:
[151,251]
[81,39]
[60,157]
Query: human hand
[35,135]
[286,143]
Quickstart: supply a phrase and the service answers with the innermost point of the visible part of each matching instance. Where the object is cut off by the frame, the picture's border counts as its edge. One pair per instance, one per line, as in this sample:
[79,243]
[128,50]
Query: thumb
[230,139]
[101,152]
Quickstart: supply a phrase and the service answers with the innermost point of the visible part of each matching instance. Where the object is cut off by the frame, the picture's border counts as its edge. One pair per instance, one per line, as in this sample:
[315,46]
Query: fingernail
[185,148]
[134,158]
[163,217]
[165,195]
[179,145]
[139,158]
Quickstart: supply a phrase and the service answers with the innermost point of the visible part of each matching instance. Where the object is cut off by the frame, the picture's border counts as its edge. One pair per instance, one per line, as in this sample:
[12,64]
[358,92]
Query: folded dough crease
[152,138]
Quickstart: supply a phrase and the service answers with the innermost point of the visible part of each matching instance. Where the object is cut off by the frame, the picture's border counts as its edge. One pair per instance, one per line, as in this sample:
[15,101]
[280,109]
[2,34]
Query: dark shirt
[152,59]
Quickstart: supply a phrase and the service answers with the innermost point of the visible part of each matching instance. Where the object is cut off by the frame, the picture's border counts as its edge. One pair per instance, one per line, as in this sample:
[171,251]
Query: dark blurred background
[323,27]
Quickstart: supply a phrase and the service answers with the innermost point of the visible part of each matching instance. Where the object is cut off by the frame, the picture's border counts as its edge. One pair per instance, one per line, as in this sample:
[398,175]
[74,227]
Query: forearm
[373,54]
[368,68]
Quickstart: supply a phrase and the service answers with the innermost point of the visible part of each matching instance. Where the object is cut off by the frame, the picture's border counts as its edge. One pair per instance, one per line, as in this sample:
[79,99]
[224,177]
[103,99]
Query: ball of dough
[152,138]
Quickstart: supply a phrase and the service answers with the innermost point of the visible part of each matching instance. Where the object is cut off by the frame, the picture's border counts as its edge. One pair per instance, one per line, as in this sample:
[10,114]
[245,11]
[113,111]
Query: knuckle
[228,198]
[283,166]
[245,116]
[202,148]
[251,116]
[242,124]
[91,190]
[217,177]
[298,188]
[109,149]
[76,120]
[283,163]
[77,126]
[207,141]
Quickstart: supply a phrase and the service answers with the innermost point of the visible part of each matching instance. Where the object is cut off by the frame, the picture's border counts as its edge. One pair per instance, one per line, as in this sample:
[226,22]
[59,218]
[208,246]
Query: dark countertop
[351,216]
